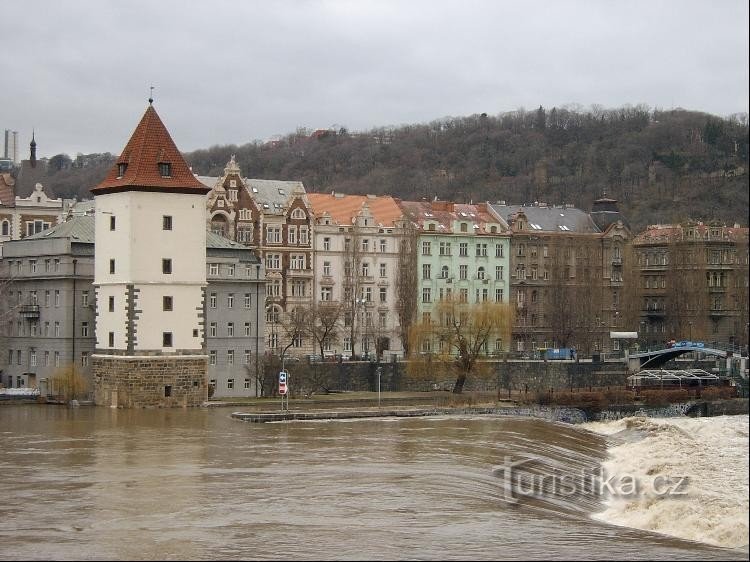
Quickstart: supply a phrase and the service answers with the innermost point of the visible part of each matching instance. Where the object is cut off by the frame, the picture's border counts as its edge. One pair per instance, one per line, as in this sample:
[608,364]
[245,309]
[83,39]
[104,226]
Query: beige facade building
[693,283]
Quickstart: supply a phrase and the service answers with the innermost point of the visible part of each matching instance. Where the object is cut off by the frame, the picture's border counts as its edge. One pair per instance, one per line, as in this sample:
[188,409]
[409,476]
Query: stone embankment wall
[531,376]
[156,382]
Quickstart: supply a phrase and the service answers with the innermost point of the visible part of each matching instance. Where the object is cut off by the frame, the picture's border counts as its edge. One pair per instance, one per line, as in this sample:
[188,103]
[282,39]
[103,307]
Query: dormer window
[121,169]
[165,169]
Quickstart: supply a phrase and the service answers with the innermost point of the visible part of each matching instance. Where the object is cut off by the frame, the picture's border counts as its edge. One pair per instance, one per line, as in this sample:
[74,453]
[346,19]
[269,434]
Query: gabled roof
[271,195]
[343,209]
[149,146]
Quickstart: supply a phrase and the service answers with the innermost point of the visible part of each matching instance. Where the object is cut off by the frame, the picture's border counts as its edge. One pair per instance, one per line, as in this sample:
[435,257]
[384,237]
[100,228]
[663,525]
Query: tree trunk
[458,388]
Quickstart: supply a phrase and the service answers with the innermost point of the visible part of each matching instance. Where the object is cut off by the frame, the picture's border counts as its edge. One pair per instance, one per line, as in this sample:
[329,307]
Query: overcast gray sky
[230,72]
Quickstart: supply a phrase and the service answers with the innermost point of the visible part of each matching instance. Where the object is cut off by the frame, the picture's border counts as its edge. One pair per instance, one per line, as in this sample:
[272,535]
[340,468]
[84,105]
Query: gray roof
[81,229]
[271,194]
[78,229]
[550,218]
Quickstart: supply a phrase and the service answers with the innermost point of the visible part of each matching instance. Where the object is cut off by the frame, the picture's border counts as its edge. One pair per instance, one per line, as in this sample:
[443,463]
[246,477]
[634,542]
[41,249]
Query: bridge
[654,359]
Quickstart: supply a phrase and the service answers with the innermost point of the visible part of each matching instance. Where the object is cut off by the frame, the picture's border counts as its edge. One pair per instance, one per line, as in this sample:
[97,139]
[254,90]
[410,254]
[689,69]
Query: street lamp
[690,325]
[360,303]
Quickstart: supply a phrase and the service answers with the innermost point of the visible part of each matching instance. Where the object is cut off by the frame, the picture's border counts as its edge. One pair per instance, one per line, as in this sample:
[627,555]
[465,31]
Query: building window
[326,269]
[230,329]
[499,250]
[463,249]
[273,234]
[426,271]
[292,235]
[111,304]
[326,244]
[165,169]
[166,266]
[383,270]
[247,381]
[32,359]
[212,300]
[480,272]
[84,359]
[57,358]
[230,270]
[111,339]
[112,222]
[111,266]
[325,293]
[213,268]
[121,169]
[426,248]
[84,298]
[247,329]
[84,329]
[426,294]
[499,295]
[248,300]
[230,360]
[32,266]
[167,303]
[57,329]
[303,235]
[230,300]
[297,261]
[166,338]
[46,358]
[56,265]
[212,330]
[383,294]
[212,359]
[166,222]
[365,269]
[273,261]
[383,246]
[230,382]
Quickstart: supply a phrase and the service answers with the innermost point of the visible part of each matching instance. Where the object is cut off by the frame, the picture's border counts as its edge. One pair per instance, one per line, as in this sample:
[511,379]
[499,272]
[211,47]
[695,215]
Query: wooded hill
[663,166]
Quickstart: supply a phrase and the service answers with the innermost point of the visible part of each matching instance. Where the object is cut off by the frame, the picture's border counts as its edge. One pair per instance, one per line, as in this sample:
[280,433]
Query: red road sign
[282,388]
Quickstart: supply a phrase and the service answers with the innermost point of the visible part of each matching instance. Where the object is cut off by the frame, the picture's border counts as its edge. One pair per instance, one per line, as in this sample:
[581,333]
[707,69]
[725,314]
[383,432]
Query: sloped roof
[272,195]
[79,229]
[7,195]
[344,208]
[29,175]
[663,233]
[150,145]
[550,218]
[446,214]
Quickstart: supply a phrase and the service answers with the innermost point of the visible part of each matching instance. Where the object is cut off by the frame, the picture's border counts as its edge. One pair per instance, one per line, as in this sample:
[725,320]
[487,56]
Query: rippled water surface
[196,484]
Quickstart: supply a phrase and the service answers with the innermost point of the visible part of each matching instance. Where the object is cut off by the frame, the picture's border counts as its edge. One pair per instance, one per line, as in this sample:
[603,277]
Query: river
[98,483]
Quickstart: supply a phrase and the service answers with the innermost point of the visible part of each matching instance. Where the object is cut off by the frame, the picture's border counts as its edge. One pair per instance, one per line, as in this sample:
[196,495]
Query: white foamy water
[711,505]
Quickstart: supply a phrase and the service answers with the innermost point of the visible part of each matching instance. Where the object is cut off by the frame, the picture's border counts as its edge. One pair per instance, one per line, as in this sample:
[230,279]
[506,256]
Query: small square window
[166,339]
[195,333]
[165,169]
[167,390]
[166,222]
[167,303]
[121,169]
[166,266]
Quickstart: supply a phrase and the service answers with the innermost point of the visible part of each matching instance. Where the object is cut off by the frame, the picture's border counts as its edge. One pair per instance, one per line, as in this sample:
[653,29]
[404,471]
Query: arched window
[219,225]
[444,272]
[6,228]
[298,214]
[480,273]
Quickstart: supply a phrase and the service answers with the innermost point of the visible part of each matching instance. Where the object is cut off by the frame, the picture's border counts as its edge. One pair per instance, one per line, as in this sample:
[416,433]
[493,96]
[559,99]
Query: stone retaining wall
[157,382]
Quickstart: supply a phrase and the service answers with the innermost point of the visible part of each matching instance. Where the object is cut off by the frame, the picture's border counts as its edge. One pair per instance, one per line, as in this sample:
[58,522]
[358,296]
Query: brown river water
[97,483]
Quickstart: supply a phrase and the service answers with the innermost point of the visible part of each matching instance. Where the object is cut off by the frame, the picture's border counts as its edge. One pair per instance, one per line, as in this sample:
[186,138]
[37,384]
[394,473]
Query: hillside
[662,165]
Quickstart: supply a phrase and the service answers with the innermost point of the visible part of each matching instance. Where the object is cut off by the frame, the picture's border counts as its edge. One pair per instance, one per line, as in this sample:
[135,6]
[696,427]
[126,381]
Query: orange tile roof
[7,195]
[343,208]
[149,145]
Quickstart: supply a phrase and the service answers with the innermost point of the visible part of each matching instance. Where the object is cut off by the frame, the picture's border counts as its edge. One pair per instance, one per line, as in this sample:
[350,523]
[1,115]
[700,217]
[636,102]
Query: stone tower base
[149,381]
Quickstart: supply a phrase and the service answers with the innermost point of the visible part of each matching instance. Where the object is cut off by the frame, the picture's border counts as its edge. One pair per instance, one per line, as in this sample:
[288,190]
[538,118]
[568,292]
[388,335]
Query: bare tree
[407,283]
[294,326]
[324,323]
[460,337]
[351,284]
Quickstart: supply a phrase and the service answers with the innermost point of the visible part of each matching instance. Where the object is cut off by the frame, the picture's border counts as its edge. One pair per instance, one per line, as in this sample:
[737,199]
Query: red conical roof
[149,146]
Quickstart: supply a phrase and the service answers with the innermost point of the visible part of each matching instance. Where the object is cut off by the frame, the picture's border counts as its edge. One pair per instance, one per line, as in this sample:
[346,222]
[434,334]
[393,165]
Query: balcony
[306,273]
[717,289]
[654,312]
[29,311]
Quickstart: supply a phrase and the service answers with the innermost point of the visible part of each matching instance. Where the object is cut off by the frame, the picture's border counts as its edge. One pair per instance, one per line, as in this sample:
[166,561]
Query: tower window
[111,266]
[111,304]
[167,303]
[121,169]
[166,266]
[166,339]
[165,169]
[166,222]
[111,339]
[112,223]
